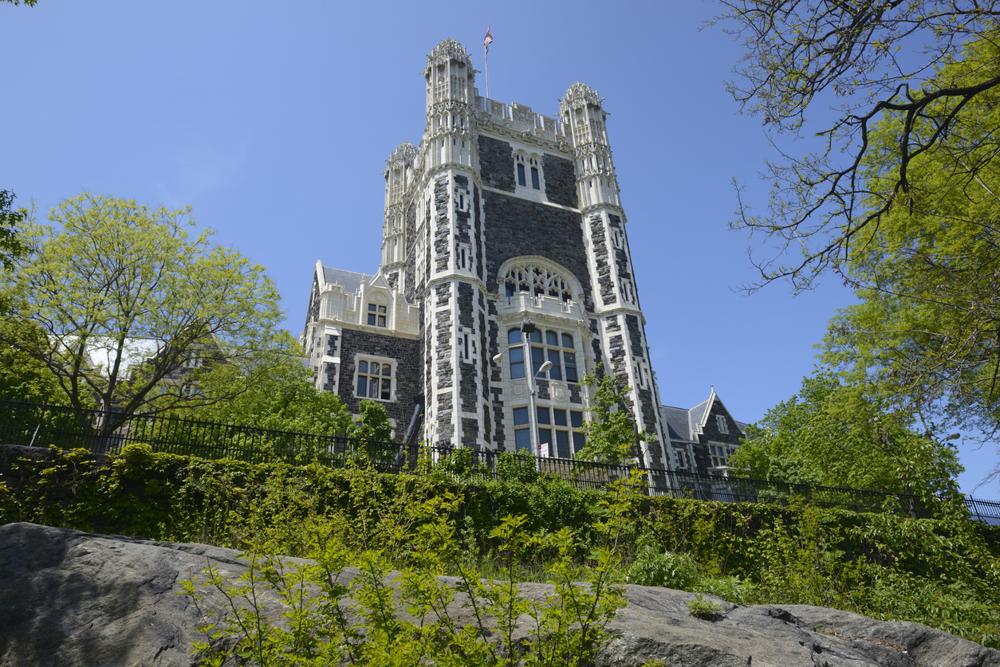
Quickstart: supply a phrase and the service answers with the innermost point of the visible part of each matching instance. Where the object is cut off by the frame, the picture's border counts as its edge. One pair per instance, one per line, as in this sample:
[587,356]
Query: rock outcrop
[72,598]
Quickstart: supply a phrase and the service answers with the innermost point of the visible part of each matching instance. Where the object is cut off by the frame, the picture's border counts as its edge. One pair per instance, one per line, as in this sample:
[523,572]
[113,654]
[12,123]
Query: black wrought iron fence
[44,425]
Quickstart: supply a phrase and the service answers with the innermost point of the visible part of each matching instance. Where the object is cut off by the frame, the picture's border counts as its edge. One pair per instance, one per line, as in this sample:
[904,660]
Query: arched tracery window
[536,280]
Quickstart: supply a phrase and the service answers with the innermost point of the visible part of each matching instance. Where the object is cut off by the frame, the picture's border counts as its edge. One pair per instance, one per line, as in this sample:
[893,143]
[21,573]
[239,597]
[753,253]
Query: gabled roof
[349,280]
[687,423]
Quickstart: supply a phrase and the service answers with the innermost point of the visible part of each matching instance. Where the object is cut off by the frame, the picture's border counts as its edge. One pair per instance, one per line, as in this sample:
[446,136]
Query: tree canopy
[836,434]
[868,63]
[927,325]
[121,297]
[273,391]
[612,436]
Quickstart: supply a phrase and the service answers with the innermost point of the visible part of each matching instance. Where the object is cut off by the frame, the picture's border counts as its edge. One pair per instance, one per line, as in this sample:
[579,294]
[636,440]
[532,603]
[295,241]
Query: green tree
[927,324]
[274,391]
[836,434]
[821,74]
[124,296]
[612,436]
[11,221]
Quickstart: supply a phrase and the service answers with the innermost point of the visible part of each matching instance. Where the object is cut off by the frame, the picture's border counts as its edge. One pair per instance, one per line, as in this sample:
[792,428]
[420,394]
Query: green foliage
[612,436]
[701,607]
[12,246]
[652,566]
[837,434]
[925,326]
[568,625]
[274,392]
[942,572]
[120,281]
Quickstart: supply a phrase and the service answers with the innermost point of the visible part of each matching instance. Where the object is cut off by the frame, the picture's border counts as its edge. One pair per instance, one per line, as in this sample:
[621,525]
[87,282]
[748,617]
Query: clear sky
[274,119]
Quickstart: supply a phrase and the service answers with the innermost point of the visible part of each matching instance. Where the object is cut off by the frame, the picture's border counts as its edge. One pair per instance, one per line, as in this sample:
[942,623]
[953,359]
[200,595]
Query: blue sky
[273,120]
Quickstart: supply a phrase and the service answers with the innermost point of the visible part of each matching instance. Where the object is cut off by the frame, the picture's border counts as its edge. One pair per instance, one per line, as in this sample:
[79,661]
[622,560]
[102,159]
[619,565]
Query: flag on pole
[488,39]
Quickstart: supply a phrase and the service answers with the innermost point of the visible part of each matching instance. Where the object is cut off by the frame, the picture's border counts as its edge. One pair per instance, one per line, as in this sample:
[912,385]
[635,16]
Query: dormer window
[376,315]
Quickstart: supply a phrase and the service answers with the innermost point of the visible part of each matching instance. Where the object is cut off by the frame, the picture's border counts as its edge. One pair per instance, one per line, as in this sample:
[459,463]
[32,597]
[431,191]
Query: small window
[467,345]
[376,315]
[722,424]
[462,256]
[534,178]
[521,180]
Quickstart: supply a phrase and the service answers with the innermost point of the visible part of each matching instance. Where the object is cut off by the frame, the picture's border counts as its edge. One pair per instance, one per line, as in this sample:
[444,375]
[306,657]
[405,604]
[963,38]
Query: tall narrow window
[521,180]
[534,178]
[722,424]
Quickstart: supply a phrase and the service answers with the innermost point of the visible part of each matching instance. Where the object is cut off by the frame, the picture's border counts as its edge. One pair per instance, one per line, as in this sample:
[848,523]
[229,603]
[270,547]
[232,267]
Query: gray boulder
[72,598]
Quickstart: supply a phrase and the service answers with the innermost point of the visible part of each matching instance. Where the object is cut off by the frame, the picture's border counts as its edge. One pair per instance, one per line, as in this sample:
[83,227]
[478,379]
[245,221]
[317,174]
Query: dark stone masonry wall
[409,362]
[442,226]
[560,180]
[496,163]
[516,227]
[604,282]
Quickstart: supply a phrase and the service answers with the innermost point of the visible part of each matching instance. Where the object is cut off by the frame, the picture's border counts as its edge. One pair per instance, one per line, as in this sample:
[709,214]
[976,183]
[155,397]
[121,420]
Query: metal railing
[44,425]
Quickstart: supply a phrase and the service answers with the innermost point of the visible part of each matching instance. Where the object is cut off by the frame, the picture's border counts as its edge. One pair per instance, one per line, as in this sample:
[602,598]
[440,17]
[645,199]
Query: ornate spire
[449,49]
[404,153]
[580,93]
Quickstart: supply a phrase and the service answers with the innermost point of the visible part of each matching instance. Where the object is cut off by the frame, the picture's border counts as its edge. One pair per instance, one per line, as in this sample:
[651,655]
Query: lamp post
[526,328]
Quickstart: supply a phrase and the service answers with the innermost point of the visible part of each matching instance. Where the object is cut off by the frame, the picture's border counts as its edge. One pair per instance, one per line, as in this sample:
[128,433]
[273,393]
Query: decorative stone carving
[448,49]
[579,93]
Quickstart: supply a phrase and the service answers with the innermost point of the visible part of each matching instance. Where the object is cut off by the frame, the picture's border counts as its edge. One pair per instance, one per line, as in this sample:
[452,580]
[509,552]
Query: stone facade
[504,247]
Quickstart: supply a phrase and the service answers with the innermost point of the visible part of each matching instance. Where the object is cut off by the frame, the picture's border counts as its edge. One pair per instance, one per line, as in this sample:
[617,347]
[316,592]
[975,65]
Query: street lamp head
[497,358]
[544,368]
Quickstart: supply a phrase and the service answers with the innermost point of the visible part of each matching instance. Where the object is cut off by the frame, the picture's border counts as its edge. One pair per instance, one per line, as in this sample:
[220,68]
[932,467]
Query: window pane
[522,439]
[535,336]
[371,319]
[579,441]
[543,415]
[516,369]
[576,418]
[534,178]
[517,354]
[551,338]
[555,372]
[560,417]
[567,340]
[544,435]
[362,366]
[509,290]
[537,357]
[371,307]
[386,389]
[514,336]
[381,309]
[520,416]
[362,386]
[562,444]
[373,388]
[569,360]
[520,174]
[376,368]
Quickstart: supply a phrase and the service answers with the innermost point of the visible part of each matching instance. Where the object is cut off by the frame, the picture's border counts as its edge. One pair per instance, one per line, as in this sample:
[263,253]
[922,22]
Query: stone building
[505,278]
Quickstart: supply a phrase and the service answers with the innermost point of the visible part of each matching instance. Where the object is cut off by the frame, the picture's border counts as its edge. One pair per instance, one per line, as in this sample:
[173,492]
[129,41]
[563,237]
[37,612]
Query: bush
[705,609]
[654,567]
[941,572]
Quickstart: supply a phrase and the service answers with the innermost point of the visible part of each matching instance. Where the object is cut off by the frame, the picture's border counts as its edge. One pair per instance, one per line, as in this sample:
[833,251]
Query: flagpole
[486,67]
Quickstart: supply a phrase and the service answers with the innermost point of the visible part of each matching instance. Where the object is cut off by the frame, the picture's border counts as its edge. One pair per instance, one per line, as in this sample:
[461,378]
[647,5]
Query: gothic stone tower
[504,247]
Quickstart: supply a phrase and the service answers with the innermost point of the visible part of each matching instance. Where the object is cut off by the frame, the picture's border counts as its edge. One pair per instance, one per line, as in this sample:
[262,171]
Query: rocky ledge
[72,598]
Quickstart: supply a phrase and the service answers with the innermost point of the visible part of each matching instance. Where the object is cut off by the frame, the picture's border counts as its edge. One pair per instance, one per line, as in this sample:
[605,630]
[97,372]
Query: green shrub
[654,567]
[703,608]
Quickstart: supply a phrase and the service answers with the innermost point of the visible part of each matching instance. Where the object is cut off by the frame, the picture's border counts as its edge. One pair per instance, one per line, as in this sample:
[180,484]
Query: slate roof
[349,280]
[681,421]
[677,423]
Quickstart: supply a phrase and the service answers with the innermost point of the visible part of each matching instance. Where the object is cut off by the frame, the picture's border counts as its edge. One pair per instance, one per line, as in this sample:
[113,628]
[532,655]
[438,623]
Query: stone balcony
[526,304]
